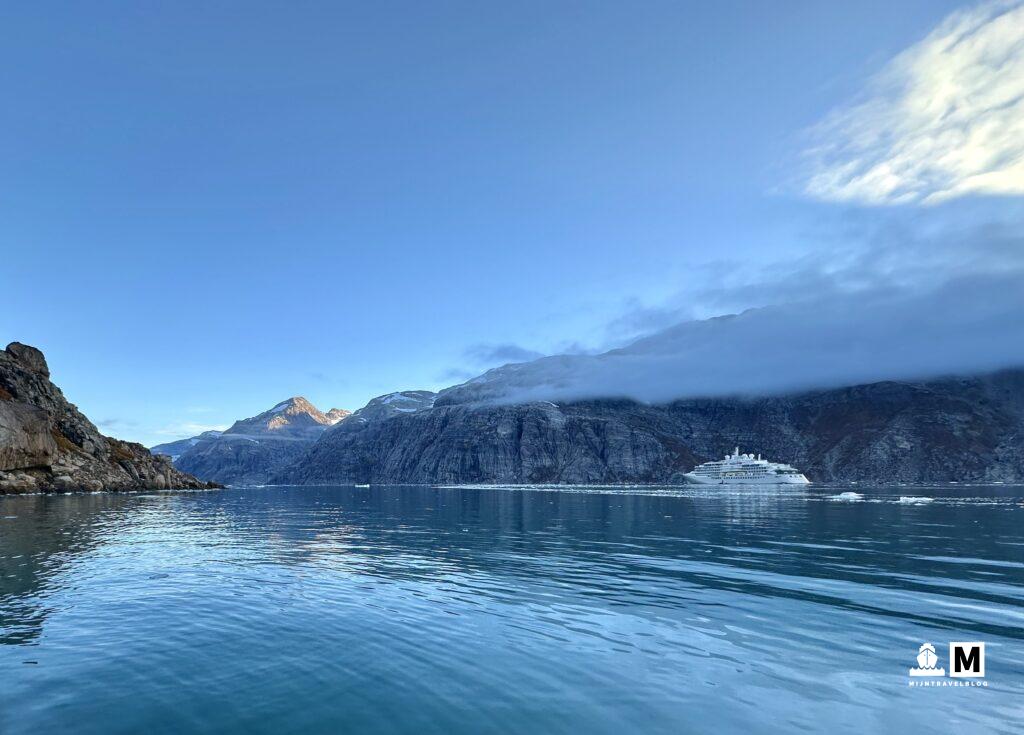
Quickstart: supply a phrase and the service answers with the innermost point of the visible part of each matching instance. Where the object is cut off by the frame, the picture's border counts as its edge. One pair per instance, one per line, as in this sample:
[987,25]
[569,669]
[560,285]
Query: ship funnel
[736,452]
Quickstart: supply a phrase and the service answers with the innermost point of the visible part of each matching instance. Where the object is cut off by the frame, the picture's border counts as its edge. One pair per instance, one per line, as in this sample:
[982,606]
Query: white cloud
[945,118]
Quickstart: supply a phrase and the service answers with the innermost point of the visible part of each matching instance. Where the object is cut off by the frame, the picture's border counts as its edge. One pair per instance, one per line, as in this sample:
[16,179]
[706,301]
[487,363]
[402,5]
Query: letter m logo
[967,659]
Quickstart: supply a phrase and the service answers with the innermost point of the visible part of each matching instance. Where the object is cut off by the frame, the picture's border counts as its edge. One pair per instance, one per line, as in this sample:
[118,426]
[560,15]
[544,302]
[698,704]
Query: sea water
[509,610]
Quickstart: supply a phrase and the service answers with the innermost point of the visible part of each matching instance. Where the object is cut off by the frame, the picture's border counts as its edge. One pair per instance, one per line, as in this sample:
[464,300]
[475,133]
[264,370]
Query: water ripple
[506,610]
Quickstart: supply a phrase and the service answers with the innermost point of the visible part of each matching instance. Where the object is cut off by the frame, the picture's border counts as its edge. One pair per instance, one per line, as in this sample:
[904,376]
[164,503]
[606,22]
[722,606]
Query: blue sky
[209,207]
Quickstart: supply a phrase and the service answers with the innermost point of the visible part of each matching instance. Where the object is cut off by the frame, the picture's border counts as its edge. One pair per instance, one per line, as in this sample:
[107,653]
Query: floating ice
[848,497]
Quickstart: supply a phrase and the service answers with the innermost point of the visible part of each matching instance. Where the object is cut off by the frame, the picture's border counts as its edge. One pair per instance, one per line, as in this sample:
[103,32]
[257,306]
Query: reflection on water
[411,609]
[39,534]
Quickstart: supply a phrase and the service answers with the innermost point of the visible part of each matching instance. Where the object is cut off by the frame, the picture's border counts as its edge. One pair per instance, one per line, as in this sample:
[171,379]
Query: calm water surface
[482,610]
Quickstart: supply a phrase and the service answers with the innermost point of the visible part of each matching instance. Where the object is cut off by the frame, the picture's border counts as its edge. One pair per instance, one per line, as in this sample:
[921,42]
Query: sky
[206,208]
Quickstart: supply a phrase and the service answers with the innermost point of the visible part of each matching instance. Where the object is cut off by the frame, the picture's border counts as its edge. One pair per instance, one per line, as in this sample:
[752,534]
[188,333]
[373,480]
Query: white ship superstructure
[745,469]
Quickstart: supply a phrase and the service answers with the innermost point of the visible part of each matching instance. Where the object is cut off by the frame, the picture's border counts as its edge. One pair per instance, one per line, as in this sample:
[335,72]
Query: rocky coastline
[48,445]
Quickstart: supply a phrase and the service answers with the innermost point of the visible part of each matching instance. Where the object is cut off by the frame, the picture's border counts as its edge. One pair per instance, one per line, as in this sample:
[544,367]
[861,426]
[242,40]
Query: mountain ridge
[957,428]
[254,448]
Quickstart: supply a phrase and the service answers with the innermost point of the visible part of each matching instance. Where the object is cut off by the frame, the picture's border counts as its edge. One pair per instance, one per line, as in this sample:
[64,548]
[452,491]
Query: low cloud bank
[968,325]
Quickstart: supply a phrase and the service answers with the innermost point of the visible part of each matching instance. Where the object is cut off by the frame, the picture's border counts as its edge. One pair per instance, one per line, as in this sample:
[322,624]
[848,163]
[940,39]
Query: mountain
[177,448]
[964,429]
[394,404]
[337,414]
[255,448]
[801,385]
[295,418]
[47,444]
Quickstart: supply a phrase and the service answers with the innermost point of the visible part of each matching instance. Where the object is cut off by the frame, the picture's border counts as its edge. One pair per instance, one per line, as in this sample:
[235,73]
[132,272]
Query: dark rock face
[253,449]
[46,444]
[940,430]
[241,460]
[29,357]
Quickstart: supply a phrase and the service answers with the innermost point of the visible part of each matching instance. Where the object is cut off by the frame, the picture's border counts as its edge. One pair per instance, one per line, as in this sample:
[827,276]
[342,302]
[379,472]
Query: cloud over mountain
[963,326]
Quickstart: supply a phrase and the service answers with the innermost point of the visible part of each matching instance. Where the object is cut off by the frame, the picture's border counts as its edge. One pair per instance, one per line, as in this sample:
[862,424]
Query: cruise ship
[745,469]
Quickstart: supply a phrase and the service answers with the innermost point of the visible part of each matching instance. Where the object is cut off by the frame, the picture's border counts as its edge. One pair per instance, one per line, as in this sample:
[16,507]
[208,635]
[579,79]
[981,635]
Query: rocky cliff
[253,449]
[46,444]
[938,430]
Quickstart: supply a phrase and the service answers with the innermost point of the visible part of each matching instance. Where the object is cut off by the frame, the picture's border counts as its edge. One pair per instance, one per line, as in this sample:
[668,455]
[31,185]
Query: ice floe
[848,497]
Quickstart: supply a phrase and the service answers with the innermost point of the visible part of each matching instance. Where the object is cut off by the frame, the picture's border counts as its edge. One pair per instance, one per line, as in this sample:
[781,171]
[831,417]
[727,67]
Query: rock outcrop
[46,444]
[969,429]
[253,449]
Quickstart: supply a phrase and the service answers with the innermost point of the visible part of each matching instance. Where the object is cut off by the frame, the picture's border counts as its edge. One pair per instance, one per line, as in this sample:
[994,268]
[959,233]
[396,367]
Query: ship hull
[791,480]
